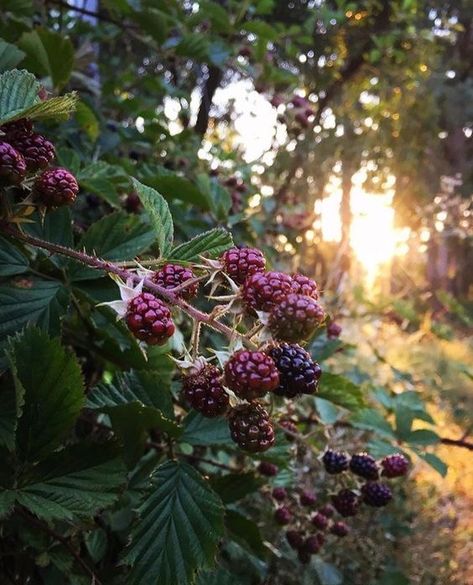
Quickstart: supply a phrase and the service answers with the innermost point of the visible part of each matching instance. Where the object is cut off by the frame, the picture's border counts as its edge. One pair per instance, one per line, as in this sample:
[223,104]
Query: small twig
[457,443]
[64,541]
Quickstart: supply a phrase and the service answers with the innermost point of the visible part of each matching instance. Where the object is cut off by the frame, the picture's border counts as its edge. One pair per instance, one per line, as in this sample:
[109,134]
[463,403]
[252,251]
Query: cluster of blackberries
[306,522]
[23,153]
[372,492]
[290,300]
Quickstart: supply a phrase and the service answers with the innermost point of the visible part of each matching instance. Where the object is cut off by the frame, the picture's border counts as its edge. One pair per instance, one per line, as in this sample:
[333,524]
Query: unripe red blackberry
[339,529]
[346,502]
[264,290]
[333,330]
[320,521]
[295,538]
[327,510]
[364,466]
[376,494]
[173,275]
[36,149]
[239,263]
[313,543]
[303,285]
[149,319]
[205,392]
[250,374]
[394,465]
[56,187]
[335,461]
[268,469]
[290,426]
[279,494]
[295,318]
[307,498]
[298,374]
[132,203]
[283,515]
[251,428]
[22,127]
[12,165]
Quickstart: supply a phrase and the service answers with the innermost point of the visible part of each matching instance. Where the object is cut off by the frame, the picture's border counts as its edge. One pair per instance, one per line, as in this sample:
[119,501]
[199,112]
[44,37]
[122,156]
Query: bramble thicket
[206,376]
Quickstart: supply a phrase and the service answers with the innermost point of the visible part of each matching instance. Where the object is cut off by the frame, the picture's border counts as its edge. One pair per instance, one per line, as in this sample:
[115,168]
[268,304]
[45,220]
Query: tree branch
[457,443]
[110,267]
[211,83]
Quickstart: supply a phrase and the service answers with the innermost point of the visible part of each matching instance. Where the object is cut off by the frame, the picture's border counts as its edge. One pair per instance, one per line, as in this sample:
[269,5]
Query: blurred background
[338,137]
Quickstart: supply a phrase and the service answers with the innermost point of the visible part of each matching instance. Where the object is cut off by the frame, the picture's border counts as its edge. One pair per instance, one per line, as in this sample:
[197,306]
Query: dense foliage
[159,421]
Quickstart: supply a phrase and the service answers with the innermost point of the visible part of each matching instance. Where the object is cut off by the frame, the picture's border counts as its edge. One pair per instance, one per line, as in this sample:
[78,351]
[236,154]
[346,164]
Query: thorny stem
[94,262]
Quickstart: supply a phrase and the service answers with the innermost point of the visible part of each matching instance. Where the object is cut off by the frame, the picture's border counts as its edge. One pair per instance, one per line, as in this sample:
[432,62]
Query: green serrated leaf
[235,486]
[48,53]
[34,301]
[435,462]
[341,391]
[245,532]
[12,260]
[10,402]
[10,56]
[373,420]
[158,210]
[74,483]
[50,380]
[210,244]
[181,522]
[199,430]
[422,437]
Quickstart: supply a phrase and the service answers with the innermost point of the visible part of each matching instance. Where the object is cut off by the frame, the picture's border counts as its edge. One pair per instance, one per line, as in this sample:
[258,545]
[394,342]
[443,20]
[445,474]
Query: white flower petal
[120,307]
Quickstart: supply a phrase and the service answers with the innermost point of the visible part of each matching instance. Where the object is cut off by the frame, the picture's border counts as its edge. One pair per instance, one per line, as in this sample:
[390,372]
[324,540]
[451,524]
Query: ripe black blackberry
[376,494]
[364,466]
[36,149]
[12,165]
[339,529]
[307,498]
[264,290]
[279,494]
[268,469]
[298,373]
[346,502]
[295,538]
[205,392]
[283,515]
[394,465]
[251,428]
[295,318]
[239,263]
[335,461]
[320,521]
[55,187]
[250,374]
[303,285]
[149,319]
[13,130]
[327,510]
[313,543]
[173,275]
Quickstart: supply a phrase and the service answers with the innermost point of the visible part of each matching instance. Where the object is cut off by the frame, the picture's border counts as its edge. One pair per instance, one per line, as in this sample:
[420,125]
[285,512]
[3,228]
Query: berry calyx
[251,428]
[394,465]
[205,392]
[250,374]
[335,461]
[307,498]
[279,494]
[364,466]
[295,538]
[173,275]
[283,515]
[268,469]
[303,285]
[320,521]
[339,529]
[239,263]
[149,319]
[264,290]
[376,494]
[295,318]
[36,149]
[56,187]
[12,165]
[298,373]
[346,502]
